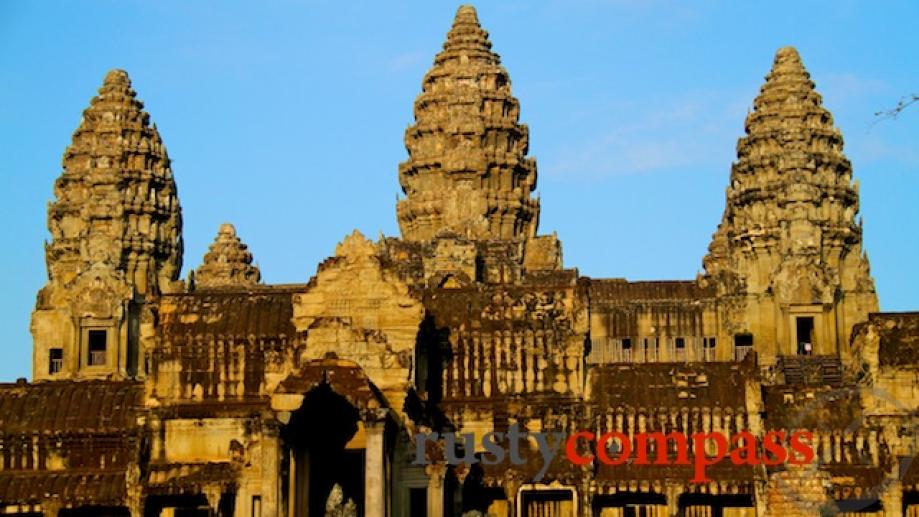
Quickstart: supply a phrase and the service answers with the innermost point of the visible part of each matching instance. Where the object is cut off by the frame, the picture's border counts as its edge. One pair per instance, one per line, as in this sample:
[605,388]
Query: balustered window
[97,345]
[55,360]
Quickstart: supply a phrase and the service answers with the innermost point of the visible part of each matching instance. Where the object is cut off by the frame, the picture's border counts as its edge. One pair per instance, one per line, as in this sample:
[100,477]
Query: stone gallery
[220,395]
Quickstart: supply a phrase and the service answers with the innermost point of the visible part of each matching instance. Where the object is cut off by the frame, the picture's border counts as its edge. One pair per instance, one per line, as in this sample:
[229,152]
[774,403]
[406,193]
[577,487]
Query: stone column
[673,491]
[436,473]
[50,508]
[759,498]
[892,498]
[374,468]
[271,469]
[512,483]
[213,494]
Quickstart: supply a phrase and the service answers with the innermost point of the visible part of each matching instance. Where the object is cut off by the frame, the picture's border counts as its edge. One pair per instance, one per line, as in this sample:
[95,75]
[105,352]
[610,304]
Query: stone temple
[221,395]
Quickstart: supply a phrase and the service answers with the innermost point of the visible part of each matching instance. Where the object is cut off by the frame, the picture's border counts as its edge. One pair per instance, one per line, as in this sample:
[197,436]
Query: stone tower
[788,250]
[227,263]
[116,231]
[467,172]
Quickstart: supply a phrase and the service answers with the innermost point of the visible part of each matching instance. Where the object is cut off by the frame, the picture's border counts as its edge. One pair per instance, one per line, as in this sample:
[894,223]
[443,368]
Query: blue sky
[286,118]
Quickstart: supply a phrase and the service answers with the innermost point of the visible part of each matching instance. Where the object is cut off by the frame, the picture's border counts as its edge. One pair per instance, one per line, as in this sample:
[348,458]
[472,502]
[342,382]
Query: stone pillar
[136,508]
[271,469]
[512,483]
[759,499]
[436,474]
[585,492]
[892,498]
[374,468]
[673,492]
[213,495]
[50,508]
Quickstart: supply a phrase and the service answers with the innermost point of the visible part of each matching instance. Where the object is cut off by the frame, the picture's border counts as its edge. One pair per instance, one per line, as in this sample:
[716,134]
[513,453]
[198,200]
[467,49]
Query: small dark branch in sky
[896,110]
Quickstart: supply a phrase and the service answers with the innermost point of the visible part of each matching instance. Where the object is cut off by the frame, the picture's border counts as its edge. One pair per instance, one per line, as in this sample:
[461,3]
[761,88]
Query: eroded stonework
[227,396]
[116,229]
[788,245]
[228,262]
[467,170]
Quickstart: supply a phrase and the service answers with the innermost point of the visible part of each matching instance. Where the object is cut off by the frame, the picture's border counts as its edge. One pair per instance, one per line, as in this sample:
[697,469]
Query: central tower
[467,173]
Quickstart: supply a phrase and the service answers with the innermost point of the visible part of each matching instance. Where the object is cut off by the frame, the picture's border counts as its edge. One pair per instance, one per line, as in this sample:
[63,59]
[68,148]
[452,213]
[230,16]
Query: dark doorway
[804,326]
[417,502]
[317,435]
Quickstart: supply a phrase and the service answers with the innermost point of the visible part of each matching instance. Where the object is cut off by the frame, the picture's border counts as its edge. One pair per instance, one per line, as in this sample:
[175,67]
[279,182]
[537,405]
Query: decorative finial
[466,14]
[117,76]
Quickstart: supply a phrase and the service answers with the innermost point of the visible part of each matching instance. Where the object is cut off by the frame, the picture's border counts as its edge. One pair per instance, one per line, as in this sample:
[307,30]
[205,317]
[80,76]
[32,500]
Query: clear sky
[286,119]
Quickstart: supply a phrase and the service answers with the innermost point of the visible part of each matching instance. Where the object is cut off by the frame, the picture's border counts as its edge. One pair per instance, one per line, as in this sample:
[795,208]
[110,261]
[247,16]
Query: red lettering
[662,441]
[803,448]
[625,448]
[571,448]
[774,452]
[702,459]
[747,444]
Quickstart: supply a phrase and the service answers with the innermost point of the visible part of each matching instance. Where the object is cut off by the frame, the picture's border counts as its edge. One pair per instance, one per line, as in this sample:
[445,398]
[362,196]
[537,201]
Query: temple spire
[467,172]
[791,204]
[791,186]
[116,200]
[116,241]
[228,262]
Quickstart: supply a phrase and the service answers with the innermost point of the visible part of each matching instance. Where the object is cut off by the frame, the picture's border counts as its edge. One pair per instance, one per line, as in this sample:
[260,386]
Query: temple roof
[661,385]
[260,312]
[73,423]
[69,407]
[70,488]
[621,291]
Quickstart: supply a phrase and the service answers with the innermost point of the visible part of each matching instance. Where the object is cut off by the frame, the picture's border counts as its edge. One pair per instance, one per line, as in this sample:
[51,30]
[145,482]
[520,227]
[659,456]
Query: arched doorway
[317,437]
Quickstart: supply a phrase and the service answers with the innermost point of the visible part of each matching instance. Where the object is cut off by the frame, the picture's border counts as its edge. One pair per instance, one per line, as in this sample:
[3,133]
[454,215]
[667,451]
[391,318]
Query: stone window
[97,340]
[55,360]
[256,506]
[627,350]
[651,349]
[708,348]
[743,344]
[679,349]
[549,503]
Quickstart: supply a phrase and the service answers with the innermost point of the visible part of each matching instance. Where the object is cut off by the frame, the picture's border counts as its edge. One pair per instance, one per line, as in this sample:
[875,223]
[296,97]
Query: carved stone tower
[116,239]
[467,172]
[228,263]
[788,249]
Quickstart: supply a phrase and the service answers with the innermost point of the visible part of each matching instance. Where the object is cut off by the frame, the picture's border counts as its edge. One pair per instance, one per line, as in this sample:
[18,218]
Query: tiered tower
[227,263]
[788,249]
[116,232]
[467,172]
